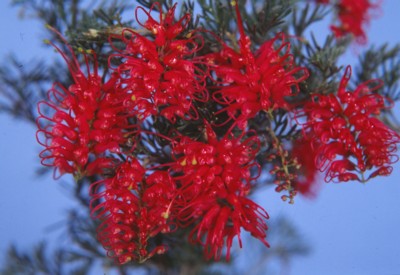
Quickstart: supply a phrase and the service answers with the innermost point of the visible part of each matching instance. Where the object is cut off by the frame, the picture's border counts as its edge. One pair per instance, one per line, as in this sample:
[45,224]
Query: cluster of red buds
[178,136]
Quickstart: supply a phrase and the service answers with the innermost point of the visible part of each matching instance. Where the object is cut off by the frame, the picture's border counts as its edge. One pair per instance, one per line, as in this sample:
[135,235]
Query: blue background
[352,228]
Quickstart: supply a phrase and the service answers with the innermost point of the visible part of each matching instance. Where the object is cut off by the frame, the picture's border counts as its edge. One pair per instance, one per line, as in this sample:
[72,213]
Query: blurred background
[350,228]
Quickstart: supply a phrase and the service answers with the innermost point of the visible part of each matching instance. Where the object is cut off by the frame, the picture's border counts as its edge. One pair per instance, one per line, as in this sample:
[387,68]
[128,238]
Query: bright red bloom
[160,75]
[306,182]
[252,82]
[347,136]
[215,179]
[353,16]
[133,209]
[85,120]
[222,221]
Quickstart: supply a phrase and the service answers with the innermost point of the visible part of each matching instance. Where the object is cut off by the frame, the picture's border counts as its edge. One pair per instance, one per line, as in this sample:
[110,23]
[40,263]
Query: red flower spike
[353,16]
[215,179]
[87,119]
[306,181]
[221,223]
[160,75]
[252,82]
[349,140]
[132,210]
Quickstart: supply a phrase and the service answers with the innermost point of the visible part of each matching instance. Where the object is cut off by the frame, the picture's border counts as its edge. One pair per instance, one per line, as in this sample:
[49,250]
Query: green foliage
[88,25]
[23,84]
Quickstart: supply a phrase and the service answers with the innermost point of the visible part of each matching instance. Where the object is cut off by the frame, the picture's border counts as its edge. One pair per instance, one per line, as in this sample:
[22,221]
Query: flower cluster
[250,82]
[353,15]
[84,121]
[132,209]
[160,75]
[348,137]
[215,178]
[148,129]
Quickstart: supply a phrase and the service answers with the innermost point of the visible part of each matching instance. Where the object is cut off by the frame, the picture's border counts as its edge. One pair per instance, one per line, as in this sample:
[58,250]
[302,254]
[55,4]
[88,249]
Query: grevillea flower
[253,82]
[133,209]
[306,181]
[215,179]
[348,137]
[86,119]
[353,16]
[160,75]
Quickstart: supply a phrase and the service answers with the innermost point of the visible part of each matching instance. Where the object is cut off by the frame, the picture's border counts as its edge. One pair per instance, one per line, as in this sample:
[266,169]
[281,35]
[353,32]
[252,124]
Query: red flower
[133,210]
[85,119]
[160,75]
[353,16]
[306,181]
[349,139]
[222,221]
[250,83]
[215,179]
